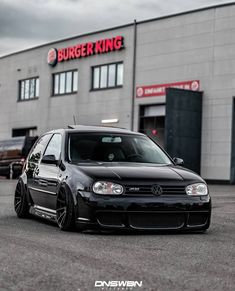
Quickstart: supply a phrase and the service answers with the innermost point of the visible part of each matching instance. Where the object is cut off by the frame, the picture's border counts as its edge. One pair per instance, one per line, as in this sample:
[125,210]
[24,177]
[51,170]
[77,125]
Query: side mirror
[178,161]
[49,159]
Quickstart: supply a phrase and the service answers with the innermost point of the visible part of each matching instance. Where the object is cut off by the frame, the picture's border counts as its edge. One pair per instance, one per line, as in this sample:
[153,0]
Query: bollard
[11,171]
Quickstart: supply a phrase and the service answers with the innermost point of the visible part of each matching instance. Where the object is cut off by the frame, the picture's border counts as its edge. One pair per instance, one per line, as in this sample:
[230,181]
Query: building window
[107,76]
[65,83]
[29,89]
[27,131]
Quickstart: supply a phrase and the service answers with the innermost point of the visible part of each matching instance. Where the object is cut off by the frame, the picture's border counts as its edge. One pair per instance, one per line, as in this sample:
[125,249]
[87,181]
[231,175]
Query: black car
[110,178]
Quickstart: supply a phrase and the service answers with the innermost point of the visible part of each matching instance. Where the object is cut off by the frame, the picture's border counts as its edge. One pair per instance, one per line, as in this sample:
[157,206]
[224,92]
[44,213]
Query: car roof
[101,129]
[13,139]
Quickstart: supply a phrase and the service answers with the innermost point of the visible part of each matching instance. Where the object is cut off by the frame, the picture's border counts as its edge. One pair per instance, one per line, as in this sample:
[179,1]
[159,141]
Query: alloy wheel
[61,210]
[18,197]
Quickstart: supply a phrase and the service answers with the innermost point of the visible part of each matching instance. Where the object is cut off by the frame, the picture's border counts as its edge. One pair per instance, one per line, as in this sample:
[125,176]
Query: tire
[20,201]
[81,228]
[65,209]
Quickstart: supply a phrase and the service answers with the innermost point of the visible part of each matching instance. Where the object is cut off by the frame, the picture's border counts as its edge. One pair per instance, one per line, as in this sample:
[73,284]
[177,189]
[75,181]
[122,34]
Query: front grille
[156,220]
[141,220]
[147,190]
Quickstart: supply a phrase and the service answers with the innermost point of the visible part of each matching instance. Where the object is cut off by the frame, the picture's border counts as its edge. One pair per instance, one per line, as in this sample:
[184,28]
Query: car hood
[138,172]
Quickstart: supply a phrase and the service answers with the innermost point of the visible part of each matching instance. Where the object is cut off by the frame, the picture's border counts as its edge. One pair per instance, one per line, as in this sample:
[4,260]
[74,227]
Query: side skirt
[43,212]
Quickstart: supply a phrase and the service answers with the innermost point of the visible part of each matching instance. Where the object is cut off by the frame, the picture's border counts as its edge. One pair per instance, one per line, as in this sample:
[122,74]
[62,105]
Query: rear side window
[54,146]
[39,148]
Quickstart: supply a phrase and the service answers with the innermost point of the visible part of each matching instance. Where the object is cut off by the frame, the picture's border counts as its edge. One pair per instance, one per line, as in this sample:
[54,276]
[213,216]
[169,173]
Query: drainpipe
[133,74]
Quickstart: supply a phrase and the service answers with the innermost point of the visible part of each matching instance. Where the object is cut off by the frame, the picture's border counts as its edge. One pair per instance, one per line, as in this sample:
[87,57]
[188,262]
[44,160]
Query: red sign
[52,57]
[160,90]
[86,49]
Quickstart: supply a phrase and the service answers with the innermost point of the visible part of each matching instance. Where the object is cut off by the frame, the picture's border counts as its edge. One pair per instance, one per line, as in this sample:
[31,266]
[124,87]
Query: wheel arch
[24,180]
[73,187]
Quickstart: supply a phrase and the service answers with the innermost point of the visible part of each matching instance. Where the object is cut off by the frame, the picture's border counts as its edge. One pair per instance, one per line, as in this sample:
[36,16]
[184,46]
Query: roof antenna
[74,120]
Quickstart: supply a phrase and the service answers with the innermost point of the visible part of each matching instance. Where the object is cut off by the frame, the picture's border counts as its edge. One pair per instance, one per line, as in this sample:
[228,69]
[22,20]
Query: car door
[33,161]
[47,175]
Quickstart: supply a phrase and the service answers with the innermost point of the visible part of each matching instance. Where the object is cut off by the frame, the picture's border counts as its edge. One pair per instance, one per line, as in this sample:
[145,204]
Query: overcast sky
[26,23]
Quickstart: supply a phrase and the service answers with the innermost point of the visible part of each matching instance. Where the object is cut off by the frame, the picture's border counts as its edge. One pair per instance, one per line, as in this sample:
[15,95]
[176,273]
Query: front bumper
[166,212]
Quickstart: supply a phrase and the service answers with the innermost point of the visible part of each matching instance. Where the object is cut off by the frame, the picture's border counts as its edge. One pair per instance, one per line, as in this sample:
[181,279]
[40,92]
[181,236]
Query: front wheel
[20,201]
[65,209]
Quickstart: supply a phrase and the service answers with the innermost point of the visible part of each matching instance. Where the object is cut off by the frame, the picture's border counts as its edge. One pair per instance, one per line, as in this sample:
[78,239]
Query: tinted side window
[39,148]
[54,146]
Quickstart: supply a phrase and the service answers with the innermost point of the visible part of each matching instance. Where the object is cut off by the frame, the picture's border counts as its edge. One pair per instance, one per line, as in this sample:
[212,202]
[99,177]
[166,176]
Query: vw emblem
[156,189]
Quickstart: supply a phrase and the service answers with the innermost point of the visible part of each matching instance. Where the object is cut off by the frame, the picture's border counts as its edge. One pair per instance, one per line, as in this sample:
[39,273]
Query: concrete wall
[195,46]
[47,112]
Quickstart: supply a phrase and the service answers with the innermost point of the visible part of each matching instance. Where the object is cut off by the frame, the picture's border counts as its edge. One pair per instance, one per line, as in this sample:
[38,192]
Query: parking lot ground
[36,255]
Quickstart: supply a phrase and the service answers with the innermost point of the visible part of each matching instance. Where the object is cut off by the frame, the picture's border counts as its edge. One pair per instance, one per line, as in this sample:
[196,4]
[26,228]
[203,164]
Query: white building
[120,75]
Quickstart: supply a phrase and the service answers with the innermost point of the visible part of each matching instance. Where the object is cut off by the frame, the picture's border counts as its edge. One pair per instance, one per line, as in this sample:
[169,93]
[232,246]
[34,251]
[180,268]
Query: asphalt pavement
[36,255]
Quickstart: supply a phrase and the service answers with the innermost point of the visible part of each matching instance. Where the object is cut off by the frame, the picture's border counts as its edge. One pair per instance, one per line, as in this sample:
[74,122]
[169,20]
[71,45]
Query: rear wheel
[20,201]
[65,209]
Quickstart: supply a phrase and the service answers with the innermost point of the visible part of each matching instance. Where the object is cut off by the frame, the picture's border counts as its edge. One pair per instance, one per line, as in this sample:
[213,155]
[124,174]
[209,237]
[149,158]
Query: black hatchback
[102,177]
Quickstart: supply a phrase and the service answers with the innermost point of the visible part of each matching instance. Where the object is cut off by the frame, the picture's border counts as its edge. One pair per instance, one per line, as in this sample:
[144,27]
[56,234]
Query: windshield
[92,147]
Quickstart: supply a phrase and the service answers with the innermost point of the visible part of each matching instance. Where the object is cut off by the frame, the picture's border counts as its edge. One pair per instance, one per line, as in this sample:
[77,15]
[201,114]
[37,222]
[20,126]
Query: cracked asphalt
[36,255]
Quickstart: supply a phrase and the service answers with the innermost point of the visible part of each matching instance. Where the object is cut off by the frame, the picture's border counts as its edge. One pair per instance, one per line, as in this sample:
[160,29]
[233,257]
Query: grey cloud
[40,21]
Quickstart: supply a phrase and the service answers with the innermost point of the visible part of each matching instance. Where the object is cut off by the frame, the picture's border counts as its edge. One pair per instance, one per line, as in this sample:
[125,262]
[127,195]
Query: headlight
[197,189]
[107,188]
